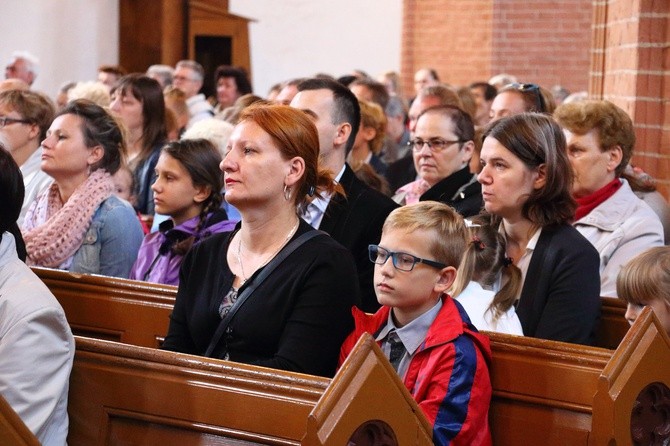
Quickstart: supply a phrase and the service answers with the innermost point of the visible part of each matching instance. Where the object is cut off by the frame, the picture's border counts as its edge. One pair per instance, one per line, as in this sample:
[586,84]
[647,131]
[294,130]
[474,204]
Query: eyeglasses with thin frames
[434,144]
[4,120]
[535,89]
[401,260]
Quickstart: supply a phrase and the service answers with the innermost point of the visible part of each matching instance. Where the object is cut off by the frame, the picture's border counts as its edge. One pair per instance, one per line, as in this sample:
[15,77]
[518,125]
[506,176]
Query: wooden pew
[13,431]
[137,313]
[122,394]
[554,393]
[613,324]
[101,307]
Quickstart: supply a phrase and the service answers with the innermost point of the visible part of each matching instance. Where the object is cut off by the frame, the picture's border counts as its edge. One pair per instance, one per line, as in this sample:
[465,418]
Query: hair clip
[470,224]
[311,191]
[478,243]
[507,262]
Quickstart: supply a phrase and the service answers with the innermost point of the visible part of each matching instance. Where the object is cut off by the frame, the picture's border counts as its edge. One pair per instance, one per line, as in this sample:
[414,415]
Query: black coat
[460,190]
[560,298]
[356,222]
[295,320]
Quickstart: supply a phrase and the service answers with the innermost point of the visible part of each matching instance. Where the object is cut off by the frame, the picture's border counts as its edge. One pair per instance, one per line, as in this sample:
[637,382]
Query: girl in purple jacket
[187,189]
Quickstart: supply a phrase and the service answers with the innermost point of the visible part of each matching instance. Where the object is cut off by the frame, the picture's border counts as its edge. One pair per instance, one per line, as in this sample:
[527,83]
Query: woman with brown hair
[274,292]
[138,102]
[78,224]
[526,181]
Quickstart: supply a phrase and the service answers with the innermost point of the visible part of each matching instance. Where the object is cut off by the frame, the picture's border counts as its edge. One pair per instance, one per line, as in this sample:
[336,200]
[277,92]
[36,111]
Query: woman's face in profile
[64,153]
[253,168]
[506,181]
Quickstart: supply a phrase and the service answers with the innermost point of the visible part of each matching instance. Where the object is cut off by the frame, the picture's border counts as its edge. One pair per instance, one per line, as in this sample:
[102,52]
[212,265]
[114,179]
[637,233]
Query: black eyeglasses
[4,120]
[434,144]
[401,260]
[534,89]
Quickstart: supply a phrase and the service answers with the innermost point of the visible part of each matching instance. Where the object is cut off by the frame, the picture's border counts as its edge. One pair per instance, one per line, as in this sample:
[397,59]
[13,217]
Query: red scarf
[589,202]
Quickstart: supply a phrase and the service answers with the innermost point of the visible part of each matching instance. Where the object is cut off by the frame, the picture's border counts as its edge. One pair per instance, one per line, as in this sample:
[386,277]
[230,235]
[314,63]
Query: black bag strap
[251,287]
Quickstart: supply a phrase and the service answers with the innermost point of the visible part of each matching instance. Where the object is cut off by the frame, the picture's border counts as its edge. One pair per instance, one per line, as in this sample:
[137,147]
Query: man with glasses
[25,117]
[426,336]
[442,145]
[188,77]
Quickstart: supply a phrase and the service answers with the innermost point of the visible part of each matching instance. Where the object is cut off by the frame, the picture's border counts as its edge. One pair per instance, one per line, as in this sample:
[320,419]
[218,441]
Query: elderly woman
[600,140]
[138,102]
[526,180]
[294,304]
[78,224]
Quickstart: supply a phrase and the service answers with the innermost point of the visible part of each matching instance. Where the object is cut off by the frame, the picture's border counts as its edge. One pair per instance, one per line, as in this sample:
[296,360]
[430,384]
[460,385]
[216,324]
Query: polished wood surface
[543,390]
[13,432]
[109,308]
[138,311]
[122,394]
[554,393]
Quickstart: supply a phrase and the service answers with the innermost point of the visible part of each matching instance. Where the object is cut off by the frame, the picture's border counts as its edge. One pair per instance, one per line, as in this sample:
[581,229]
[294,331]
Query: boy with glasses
[427,336]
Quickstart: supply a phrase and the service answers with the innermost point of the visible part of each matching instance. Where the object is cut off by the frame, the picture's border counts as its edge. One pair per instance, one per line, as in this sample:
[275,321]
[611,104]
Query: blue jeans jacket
[111,242]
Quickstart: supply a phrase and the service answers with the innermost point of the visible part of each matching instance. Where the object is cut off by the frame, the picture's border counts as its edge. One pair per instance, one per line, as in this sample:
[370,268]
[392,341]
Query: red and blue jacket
[448,375]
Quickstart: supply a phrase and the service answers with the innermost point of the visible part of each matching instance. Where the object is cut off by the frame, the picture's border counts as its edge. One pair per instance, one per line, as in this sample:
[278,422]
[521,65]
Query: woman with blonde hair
[645,282]
[274,292]
[370,138]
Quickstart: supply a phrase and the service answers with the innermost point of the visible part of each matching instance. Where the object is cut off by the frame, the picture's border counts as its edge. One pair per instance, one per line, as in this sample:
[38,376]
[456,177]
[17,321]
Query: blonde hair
[449,234]
[646,277]
[94,91]
[373,116]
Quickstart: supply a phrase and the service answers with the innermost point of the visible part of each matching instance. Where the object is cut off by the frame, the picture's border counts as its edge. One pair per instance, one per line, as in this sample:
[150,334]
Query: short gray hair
[193,65]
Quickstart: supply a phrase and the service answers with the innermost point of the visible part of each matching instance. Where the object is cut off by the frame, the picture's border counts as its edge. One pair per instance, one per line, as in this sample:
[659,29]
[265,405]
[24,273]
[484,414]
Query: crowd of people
[295,221]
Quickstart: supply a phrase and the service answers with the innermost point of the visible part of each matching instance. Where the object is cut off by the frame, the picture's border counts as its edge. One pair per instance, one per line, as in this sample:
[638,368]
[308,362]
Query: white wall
[289,38]
[71,38]
[294,38]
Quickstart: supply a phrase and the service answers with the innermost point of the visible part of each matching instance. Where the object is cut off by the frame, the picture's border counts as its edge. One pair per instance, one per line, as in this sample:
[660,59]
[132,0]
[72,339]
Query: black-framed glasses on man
[401,260]
[4,120]
[535,89]
[434,144]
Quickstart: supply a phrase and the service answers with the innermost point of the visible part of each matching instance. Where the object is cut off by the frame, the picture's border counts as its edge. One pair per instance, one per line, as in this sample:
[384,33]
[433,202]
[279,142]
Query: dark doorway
[210,52]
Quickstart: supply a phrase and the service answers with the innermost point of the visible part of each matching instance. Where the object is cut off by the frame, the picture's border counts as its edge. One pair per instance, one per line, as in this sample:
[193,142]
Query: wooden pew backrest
[13,431]
[101,307]
[613,324]
[554,393]
[123,394]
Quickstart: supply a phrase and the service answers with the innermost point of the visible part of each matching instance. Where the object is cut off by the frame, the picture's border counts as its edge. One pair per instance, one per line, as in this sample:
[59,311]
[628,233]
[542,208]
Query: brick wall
[631,67]
[547,42]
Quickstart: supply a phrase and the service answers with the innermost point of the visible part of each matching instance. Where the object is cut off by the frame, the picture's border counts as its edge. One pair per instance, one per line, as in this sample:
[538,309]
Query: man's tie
[397,350]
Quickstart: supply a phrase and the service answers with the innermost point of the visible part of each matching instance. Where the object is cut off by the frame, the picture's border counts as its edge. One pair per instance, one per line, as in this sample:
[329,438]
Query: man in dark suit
[356,219]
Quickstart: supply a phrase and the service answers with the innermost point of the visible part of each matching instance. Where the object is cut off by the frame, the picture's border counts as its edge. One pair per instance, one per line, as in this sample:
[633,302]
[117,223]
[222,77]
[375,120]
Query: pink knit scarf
[53,230]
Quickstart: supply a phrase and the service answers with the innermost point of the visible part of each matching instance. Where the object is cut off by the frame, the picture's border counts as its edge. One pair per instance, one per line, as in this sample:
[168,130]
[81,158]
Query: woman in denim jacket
[78,224]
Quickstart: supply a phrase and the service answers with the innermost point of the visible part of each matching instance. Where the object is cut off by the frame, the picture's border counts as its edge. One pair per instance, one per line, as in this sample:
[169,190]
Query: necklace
[270,257]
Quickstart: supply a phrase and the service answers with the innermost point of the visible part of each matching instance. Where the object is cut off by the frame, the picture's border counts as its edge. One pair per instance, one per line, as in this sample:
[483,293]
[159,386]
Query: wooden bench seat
[554,393]
[13,431]
[544,392]
[137,313]
[122,394]
[101,307]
